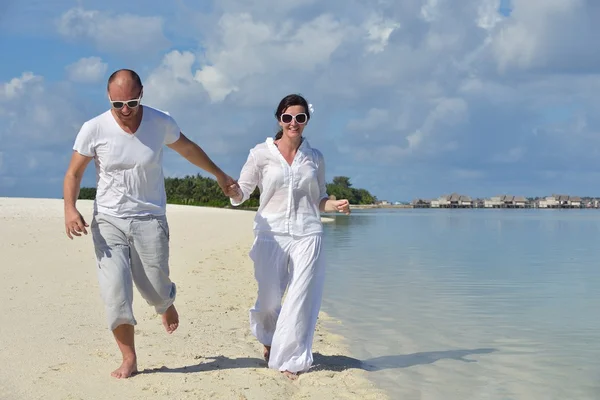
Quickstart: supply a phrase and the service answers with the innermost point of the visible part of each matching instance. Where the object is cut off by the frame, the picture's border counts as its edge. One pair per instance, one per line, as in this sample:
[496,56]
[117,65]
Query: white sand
[54,343]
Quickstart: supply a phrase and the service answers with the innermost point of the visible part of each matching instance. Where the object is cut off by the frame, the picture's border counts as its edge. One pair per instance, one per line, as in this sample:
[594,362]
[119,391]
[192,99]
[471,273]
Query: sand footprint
[102,354]
[58,367]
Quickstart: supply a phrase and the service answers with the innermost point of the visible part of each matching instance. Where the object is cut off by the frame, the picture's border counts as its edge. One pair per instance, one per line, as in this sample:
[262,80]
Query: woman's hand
[342,206]
[235,192]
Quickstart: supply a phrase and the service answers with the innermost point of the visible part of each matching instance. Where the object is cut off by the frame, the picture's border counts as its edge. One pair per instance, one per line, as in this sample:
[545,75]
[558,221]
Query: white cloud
[447,111]
[430,10]
[276,8]
[87,70]
[390,137]
[17,86]
[125,34]
[453,87]
[35,117]
[426,66]
[435,133]
[548,34]
[378,33]
[374,119]
[488,16]
[37,129]
[215,83]
[173,84]
[244,50]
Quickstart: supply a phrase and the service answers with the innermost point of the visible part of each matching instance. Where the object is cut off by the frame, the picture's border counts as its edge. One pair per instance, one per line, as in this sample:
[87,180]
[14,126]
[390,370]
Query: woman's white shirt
[289,194]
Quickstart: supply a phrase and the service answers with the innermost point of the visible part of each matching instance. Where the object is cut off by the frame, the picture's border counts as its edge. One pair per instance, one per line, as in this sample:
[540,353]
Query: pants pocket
[163,226]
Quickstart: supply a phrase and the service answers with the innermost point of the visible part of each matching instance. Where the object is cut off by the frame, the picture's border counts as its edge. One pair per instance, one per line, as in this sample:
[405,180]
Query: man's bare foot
[290,375]
[127,369]
[266,352]
[170,319]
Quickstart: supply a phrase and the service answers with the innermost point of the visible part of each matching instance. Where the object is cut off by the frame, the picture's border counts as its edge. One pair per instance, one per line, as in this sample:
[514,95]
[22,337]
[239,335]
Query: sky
[412,99]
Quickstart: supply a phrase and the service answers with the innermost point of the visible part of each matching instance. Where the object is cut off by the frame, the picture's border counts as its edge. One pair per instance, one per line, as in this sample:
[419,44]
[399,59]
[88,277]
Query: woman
[288,237]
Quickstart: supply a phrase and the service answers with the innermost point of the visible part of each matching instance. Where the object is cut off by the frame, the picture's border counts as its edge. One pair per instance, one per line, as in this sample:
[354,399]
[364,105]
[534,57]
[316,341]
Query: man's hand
[74,223]
[228,185]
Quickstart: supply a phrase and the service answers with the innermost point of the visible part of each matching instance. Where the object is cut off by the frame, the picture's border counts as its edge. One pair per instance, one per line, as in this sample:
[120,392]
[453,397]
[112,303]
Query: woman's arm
[327,205]
[247,182]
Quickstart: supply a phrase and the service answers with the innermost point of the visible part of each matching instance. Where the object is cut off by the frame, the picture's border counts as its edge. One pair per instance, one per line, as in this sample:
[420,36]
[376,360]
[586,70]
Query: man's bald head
[124,91]
[125,77]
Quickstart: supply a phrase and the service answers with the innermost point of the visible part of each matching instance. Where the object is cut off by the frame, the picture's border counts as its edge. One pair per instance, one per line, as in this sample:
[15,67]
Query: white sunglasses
[301,118]
[118,104]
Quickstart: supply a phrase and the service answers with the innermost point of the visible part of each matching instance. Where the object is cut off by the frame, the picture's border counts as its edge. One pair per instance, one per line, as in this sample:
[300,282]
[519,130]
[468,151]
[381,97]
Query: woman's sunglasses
[130,103]
[300,118]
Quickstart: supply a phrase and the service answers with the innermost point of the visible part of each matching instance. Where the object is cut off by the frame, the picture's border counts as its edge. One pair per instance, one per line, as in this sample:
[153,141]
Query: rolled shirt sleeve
[248,179]
[321,176]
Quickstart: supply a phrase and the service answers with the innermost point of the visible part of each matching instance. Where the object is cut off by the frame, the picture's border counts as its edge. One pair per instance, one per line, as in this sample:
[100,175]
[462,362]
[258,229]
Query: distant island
[456,200]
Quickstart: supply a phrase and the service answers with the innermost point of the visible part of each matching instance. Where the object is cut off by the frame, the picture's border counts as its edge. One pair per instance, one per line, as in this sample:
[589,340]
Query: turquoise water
[469,304]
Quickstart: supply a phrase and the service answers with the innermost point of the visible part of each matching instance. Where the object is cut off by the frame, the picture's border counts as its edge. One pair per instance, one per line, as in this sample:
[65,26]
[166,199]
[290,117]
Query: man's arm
[74,222]
[194,154]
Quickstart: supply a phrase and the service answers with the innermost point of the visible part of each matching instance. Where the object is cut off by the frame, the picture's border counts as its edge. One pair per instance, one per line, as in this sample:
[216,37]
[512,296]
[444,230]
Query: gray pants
[132,250]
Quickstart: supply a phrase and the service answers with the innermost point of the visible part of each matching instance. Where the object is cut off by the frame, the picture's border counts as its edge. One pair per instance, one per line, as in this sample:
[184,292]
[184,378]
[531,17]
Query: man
[129,227]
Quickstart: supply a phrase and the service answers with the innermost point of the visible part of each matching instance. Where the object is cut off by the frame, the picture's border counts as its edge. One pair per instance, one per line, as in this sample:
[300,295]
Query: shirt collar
[303,146]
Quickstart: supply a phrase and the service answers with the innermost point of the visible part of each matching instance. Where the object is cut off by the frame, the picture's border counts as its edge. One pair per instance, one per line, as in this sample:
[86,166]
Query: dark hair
[132,74]
[289,101]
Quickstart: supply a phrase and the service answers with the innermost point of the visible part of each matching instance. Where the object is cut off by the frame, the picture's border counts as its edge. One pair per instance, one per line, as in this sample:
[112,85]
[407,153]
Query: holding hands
[235,193]
[228,185]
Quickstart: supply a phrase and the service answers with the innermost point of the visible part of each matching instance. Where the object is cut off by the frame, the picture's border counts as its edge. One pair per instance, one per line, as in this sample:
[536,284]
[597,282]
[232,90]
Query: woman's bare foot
[266,352]
[170,319]
[128,368]
[290,375]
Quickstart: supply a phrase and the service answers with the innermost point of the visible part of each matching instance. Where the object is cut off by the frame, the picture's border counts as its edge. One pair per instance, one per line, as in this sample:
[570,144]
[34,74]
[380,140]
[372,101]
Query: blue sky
[417,98]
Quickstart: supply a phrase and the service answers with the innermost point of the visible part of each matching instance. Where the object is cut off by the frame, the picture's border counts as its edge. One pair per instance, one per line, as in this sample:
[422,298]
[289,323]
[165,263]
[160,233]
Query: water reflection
[523,282]
[342,363]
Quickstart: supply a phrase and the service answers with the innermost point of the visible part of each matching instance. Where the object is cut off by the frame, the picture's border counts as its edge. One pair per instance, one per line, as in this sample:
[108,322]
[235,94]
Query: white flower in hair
[311,109]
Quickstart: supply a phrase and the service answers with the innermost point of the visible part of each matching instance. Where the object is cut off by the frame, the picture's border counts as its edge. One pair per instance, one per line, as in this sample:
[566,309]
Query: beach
[55,343]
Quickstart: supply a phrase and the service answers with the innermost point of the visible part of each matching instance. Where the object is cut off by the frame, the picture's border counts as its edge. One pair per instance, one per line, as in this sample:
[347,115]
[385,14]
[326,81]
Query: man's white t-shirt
[129,173]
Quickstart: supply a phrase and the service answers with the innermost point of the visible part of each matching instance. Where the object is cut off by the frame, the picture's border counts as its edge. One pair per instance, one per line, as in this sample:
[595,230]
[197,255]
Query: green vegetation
[202,191]
[87,193]
[341,188]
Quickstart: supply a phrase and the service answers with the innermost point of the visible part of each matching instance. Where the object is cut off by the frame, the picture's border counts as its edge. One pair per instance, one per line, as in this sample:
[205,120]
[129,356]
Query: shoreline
[55,338]
[408,206]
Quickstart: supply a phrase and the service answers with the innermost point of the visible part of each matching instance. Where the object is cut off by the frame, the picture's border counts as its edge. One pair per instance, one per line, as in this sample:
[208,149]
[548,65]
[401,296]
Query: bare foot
[128,368]
[266,352]
[170,319]
[290,375]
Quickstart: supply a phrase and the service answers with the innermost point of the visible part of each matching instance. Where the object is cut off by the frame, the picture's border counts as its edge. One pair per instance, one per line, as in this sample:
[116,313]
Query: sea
[468,303]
